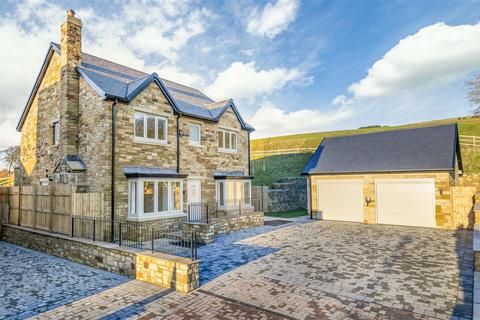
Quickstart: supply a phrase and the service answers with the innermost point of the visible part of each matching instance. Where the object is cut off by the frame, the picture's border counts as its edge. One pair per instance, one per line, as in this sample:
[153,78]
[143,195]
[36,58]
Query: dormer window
[150,128]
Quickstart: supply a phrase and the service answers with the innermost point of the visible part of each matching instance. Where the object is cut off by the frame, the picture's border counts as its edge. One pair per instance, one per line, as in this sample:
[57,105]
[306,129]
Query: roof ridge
[389,131]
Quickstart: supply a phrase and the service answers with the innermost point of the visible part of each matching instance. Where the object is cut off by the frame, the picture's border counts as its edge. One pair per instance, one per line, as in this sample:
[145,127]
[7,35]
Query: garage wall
[445,216]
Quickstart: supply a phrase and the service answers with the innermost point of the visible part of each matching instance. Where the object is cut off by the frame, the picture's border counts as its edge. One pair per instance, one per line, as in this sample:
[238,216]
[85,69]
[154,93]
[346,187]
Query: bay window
[150,128]
[232,193]
[151,198]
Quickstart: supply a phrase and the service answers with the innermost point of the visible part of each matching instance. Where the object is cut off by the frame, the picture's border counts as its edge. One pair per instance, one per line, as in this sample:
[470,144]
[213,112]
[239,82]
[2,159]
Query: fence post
[73,226]
[191,244]
[19,215]
[51,199]
[206,208]
[34,211]
[153,240]
[120,234]
[240,207]
[93,236]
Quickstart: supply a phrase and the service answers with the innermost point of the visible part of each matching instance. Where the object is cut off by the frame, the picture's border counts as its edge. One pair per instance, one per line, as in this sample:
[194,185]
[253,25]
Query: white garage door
[407,202]
[340,200]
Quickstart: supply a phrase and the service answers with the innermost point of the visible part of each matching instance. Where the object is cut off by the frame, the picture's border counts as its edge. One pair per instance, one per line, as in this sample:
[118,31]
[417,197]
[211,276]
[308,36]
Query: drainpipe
[310,187]
[249,153]
[178,143]
[112,227]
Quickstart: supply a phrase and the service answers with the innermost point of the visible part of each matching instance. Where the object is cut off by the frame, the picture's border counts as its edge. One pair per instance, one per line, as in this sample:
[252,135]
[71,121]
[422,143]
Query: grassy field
[466,126]
[287,214]
[270,168]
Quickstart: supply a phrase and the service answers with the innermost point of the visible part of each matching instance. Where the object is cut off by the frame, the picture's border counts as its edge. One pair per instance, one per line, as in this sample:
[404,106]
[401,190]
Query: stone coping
[109,245]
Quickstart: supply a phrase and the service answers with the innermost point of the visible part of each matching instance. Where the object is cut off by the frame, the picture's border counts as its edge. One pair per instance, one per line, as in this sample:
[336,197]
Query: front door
[194,200]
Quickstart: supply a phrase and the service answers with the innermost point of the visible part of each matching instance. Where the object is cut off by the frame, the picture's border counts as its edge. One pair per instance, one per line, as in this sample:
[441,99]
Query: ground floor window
[232,193]
[150,198]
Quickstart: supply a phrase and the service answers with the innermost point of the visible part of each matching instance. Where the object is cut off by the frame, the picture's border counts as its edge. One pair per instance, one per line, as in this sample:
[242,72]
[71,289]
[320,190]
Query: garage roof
[419,149]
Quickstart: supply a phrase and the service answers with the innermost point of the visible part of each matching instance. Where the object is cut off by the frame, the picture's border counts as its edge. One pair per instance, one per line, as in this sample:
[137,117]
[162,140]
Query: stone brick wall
[168,271]
[206,232]
[288,194]
[444,213]
[38,154]
[161,269]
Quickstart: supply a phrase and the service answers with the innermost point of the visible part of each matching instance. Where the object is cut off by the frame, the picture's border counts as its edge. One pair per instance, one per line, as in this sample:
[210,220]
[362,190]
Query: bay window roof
[151,172]
[222,175]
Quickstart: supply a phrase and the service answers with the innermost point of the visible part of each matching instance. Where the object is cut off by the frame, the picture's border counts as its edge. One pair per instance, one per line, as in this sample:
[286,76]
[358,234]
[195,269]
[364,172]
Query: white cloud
[273,19]
[243,81]
[173,73]
[341,100]
[436,54]
[270,120]
[167,39]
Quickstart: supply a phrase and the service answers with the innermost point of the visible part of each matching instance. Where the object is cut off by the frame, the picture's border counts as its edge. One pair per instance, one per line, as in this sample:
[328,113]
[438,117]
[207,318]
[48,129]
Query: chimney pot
[70,13]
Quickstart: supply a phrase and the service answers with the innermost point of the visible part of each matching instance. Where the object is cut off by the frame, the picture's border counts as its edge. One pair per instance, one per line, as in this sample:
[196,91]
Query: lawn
[287,214]
[269,169]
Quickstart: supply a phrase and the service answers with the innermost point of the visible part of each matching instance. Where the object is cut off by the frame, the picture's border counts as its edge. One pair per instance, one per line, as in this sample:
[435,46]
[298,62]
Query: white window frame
[139,213]
[232,133]
[144,139]
[56,133]
[195,143]
[227,184]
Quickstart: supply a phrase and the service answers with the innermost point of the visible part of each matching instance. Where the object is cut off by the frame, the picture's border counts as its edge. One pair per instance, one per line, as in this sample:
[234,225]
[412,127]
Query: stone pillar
[71,48]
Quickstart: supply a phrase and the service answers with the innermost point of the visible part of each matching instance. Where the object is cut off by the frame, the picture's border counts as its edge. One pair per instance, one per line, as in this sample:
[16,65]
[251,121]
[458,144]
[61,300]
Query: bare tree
[11,157]
[474,94]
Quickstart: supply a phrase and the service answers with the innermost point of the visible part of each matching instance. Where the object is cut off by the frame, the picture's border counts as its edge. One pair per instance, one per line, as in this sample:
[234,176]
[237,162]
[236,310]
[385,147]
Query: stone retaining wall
[207,232]
[162,269]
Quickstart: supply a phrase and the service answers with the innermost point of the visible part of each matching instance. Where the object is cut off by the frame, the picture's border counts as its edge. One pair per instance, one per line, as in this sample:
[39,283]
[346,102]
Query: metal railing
[146,235]
[204,212]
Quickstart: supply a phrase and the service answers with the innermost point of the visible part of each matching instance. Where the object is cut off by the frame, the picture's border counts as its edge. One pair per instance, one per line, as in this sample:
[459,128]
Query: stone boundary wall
[161,269]
[206,232]
[286,194]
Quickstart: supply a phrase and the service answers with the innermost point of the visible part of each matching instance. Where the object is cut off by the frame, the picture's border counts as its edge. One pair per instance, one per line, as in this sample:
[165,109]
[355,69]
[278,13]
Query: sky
[291,66]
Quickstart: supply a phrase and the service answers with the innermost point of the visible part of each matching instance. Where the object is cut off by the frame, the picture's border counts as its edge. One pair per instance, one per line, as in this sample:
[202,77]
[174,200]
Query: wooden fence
[260,198]
[469,141]
[48,208]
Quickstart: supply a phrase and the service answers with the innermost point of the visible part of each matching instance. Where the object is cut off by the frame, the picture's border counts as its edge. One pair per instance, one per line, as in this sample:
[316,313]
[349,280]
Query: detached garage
[401,177]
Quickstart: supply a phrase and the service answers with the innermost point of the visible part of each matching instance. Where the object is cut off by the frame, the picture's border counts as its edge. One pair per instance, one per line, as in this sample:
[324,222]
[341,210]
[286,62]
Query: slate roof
[407,150]
[114,81]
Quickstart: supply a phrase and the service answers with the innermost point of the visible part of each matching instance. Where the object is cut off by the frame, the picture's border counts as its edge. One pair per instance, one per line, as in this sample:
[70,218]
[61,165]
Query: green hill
[268,168]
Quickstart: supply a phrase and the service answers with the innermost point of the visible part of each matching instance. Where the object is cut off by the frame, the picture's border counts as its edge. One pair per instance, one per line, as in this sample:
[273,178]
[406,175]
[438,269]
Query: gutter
[112,214]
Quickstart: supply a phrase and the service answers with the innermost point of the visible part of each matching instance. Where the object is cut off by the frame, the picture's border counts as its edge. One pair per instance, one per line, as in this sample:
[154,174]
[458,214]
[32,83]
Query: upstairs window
[149,128]
[55,133]
[227,140]
[194,134]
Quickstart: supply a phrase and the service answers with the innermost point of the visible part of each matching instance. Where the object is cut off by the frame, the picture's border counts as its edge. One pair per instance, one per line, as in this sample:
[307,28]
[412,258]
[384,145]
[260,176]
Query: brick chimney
[70,56]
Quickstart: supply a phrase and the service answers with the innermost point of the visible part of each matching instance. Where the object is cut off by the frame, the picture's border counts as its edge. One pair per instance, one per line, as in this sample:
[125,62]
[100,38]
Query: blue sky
[291,66]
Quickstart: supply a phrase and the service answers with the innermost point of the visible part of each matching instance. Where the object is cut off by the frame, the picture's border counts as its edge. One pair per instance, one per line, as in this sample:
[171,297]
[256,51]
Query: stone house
[158,145]
[408,177]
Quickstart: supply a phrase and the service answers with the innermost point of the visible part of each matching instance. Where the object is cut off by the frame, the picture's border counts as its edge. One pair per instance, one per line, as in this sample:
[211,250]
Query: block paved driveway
[323,269]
